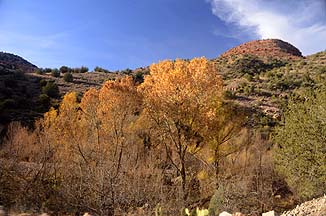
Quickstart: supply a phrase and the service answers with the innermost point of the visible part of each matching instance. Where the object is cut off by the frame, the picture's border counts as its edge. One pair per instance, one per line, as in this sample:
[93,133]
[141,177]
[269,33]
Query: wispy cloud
[42,50]
[37,41]
[300,22]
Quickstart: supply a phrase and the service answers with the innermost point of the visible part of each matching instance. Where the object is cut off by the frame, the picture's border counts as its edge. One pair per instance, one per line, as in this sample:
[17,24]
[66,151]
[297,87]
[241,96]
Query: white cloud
[300,22]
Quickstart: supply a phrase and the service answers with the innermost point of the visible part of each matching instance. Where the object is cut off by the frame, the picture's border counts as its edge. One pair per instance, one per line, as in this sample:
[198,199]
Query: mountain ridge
[16,62]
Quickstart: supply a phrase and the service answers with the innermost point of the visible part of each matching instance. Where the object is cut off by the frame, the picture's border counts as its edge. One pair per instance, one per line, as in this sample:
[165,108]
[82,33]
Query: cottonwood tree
[108,115]
[95,143]
[223,125]
[180,96]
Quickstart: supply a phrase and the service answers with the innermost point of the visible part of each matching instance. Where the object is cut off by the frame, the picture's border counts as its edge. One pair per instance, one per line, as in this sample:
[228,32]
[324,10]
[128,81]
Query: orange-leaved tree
[181,97]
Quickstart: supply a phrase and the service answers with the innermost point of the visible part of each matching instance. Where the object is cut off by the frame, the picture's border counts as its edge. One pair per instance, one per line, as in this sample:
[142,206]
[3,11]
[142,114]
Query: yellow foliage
[90,101]
[202,175]
[50,117]
[69,102]
[184,91]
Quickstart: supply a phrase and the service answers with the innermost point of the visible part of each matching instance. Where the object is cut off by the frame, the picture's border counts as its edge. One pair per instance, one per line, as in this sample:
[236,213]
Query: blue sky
[119,34]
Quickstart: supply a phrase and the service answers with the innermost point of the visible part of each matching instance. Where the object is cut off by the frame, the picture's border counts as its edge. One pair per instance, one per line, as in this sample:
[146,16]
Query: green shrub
[229,94]
[68,77]
[322,70]
[43,82]
[8,104]
[51,89]
[158,210]
[44,100]
[249,89]
[195,212]
[111,79]
[83,69]
[55,72]
[216,202]
[99,69]
[301,151]
[64,69]
[39,71]
[139,77]
[249,65]
[248,77]
[47,70]
[127,71]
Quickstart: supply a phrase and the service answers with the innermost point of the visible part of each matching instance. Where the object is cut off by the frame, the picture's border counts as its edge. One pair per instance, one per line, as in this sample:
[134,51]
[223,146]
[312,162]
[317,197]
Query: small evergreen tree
[51,89]
[43,82]
[39,71]
[300,156]
[68,77]
[47,70]
[83,69]
[44,100]
[55,72]
[64,69]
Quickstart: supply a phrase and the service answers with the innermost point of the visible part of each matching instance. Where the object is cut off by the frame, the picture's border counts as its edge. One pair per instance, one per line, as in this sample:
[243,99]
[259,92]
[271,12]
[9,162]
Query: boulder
[270,213]
[225,214]
[238,214]
[2,212]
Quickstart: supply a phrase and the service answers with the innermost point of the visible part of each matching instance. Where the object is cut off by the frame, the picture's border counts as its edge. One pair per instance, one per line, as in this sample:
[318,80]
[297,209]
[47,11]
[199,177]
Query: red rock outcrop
[268,48]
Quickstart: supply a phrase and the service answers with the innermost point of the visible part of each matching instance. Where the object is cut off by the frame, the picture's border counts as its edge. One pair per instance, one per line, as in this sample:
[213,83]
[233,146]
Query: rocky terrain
[81,81]
[267,49]
[315,207]
[266,85]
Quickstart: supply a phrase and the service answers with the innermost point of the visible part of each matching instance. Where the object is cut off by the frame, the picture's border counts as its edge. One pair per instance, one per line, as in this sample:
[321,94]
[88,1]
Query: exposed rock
[315,207]
[268,48]
[238,214]
[270,213]
[225,214]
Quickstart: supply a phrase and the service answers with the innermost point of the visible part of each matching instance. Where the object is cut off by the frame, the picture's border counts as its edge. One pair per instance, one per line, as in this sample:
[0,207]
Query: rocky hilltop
[15,62]
[268,49]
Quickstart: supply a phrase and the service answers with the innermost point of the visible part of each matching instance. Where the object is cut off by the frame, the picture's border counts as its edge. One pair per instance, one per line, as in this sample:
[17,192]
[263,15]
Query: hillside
[194,133]
[265,49]
[259,75]
[18,95]
[15,62]
[264,79]
[24,95]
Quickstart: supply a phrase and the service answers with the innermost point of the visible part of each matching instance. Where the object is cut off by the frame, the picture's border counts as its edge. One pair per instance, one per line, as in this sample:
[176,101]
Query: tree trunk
[183,178]
[217,170]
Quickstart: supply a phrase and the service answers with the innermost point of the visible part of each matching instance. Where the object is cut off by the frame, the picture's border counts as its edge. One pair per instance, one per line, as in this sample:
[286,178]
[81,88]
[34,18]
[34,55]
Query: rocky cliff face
[269,48]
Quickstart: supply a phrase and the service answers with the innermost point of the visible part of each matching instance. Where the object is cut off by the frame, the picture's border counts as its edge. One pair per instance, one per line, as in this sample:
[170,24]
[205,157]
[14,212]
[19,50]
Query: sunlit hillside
[216,134]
